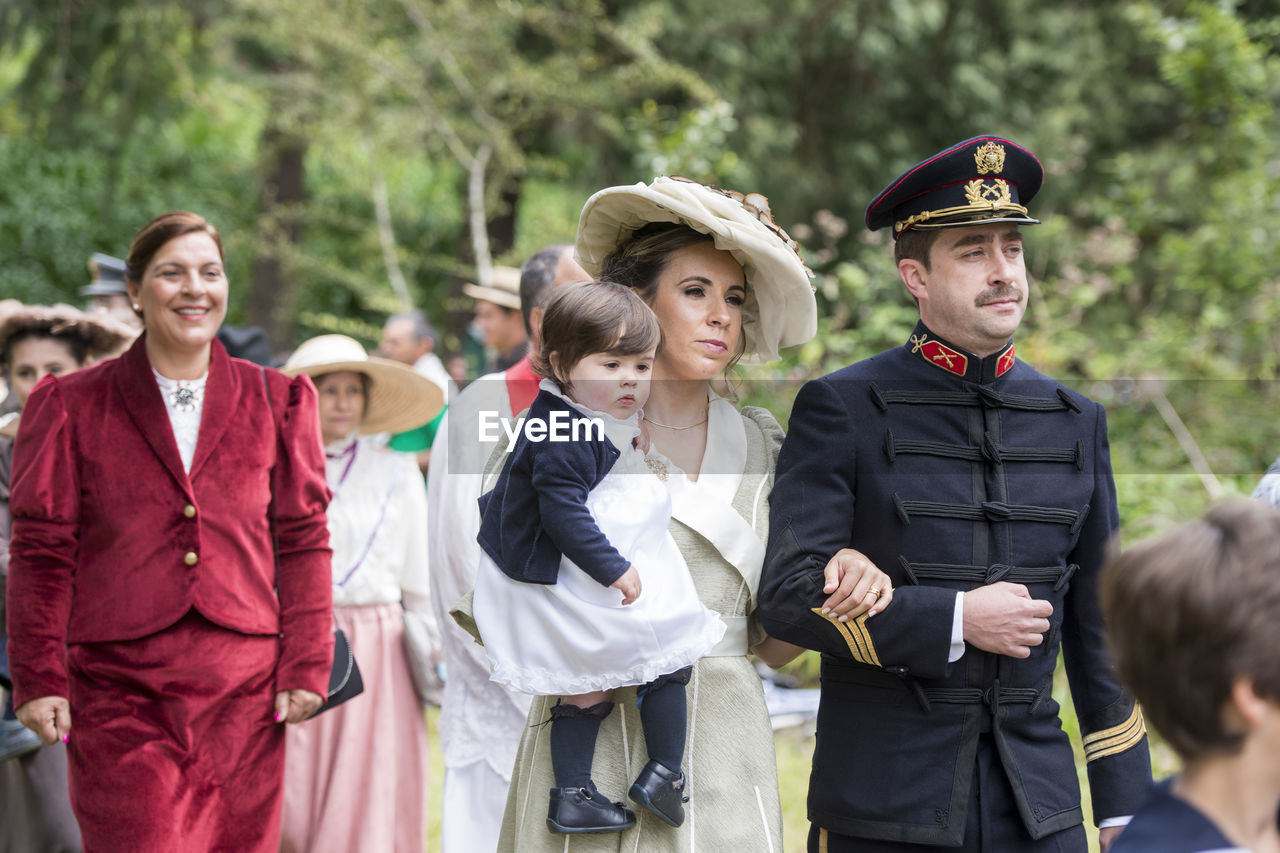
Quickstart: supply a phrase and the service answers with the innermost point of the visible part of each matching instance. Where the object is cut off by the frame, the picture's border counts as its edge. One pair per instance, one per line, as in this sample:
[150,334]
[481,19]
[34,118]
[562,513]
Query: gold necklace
[678,429]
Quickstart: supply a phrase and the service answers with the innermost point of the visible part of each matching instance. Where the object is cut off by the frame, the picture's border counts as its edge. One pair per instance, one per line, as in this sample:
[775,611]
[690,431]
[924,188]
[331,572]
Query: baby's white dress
[575,636]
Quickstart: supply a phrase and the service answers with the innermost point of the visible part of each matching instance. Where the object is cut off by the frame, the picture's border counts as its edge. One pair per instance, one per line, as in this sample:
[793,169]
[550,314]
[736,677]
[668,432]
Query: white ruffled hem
[545,682]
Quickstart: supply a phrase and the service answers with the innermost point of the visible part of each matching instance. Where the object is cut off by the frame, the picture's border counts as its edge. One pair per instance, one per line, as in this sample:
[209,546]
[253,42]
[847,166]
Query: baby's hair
[590,317]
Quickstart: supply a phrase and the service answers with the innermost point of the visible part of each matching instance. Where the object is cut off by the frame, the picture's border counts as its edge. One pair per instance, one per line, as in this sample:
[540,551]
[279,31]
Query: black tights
[662,716]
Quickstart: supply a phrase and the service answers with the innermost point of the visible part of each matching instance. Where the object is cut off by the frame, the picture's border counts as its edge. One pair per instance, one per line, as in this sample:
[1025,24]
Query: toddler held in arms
[581,589]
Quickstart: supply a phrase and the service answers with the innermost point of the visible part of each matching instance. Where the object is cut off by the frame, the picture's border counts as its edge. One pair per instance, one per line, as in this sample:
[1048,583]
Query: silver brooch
[185,396]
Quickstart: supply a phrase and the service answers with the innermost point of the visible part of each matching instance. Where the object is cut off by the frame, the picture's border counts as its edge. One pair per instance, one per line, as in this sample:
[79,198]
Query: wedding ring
[875,592]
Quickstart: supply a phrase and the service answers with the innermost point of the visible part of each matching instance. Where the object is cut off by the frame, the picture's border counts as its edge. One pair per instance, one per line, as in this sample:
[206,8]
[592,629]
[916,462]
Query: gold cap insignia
[990,158]
[993,193]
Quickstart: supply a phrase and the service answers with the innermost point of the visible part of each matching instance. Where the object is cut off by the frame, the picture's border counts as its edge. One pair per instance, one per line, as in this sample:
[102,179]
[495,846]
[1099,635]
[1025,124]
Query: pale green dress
[720,524]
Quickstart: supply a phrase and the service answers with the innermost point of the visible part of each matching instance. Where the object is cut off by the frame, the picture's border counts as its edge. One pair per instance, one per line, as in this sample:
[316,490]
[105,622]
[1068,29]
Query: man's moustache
[989,296]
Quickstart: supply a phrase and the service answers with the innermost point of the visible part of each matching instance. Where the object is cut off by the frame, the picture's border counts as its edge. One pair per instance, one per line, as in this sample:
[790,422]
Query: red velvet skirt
[174,745]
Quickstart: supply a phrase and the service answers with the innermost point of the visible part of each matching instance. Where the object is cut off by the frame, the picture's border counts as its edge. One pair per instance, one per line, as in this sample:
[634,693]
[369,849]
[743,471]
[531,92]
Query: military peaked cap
[108,276]
[981,180]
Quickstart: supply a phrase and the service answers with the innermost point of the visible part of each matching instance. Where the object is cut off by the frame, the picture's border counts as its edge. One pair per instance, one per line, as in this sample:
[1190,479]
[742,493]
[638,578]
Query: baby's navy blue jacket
[538,509]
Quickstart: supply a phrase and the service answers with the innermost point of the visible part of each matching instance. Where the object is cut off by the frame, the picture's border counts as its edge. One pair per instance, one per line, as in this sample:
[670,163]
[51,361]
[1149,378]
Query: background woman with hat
[725,284]
[169,583]
[356,777]
[34,342]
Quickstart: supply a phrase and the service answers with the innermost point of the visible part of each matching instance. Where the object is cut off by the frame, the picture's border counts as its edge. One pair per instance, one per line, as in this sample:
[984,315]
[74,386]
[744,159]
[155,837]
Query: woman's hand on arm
[294,706]
[48,716]
[854,586]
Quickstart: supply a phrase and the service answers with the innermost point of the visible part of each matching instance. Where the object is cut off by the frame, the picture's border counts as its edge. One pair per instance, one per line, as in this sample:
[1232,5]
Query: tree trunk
[273,299]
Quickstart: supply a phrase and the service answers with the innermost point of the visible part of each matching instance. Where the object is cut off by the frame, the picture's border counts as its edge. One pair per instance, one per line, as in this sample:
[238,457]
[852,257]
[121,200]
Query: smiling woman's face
[183,293]
[699,306]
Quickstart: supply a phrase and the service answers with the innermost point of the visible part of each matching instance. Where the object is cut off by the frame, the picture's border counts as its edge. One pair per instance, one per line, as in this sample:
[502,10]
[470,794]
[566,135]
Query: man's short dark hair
[914,245]
[420,327]
[1190,612]
[536,277]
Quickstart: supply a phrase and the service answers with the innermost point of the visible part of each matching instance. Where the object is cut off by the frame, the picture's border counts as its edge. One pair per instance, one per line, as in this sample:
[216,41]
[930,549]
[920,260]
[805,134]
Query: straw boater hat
[503,288]
[399,399]
[780,310]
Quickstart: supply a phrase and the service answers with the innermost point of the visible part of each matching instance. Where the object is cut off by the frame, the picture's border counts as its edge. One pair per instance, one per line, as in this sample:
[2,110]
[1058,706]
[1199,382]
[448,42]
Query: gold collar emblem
[990,158]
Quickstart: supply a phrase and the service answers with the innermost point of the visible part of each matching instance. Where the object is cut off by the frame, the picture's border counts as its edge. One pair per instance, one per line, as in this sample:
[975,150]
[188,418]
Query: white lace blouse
[184,401]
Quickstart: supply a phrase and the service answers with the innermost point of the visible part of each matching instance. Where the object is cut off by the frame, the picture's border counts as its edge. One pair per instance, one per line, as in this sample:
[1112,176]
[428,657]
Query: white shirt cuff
[957,631]
[1115,821]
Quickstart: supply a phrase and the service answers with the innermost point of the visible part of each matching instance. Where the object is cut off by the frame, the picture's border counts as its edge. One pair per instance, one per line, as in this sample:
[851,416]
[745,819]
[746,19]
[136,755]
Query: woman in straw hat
[156,625]
[356,777]
[726,284]
[37,341]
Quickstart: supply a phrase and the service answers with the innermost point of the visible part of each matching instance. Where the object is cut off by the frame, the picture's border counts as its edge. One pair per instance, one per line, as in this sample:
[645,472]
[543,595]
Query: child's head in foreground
[1193,618]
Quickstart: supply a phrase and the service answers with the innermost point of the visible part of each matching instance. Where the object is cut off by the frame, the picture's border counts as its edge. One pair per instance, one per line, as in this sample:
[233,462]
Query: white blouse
[184,401]
[377,525]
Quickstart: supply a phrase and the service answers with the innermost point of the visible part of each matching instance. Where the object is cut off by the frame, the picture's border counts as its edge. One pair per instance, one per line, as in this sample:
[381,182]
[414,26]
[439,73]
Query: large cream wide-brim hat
[780,309]
[399,399]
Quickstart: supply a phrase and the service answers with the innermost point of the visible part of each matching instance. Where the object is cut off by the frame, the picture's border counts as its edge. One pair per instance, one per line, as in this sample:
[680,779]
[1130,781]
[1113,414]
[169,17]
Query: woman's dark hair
[75,344]
[161,230]
[639,262]
[590,317]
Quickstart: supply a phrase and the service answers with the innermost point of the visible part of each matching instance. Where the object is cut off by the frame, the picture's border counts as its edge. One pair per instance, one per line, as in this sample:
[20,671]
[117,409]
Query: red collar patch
[943,356]
[1005,363]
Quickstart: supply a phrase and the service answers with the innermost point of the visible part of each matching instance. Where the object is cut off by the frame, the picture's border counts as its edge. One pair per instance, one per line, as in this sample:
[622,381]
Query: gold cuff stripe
[1134,718]
[856,636]
[1117,738]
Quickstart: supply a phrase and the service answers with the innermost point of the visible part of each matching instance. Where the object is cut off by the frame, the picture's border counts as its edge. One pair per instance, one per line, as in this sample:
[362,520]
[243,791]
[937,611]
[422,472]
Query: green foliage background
[1155,276]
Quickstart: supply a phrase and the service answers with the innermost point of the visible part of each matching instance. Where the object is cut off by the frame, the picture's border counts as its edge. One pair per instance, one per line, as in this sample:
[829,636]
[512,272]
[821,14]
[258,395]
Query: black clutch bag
[344,678]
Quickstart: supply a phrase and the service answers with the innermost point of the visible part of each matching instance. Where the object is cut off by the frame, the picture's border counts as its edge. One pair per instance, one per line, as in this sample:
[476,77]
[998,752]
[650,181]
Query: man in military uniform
[984,490]
[107,294]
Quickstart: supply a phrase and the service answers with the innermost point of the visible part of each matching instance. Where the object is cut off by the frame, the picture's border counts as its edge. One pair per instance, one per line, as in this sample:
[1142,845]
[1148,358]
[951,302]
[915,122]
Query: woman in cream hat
[356,776]
[726,284]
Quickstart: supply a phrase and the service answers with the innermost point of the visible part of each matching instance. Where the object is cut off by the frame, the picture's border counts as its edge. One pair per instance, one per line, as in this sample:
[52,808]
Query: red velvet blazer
[113,541]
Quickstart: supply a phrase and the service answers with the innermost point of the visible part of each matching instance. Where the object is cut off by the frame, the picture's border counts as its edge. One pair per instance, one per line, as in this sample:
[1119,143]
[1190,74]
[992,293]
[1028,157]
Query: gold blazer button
[189,511]
[191,558]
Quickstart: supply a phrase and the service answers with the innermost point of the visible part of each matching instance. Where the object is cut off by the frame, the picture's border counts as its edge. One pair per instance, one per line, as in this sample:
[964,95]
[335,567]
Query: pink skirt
[173,742]
[356,776]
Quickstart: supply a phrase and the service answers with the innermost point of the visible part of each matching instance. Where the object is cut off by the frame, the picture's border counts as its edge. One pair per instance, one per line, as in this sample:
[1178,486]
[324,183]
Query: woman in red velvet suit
[146,605]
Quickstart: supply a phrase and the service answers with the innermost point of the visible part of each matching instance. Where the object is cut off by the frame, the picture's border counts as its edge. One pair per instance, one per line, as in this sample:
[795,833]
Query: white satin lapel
[707,505]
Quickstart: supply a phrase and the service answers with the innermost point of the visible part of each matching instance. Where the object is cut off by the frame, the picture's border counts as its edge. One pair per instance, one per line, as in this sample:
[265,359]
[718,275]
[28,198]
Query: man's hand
[49,717]
[629,584]
[294,706]
[1003,618]
[1107,836]
[854,586]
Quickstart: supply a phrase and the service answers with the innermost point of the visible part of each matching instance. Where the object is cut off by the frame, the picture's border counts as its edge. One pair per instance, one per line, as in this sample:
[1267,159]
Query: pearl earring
[137,307]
